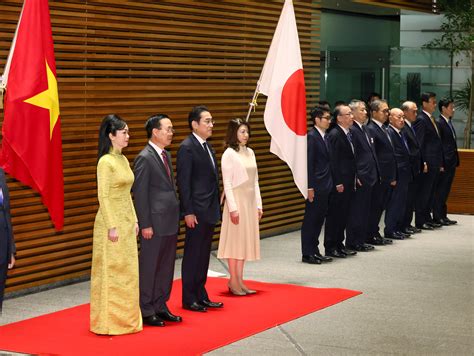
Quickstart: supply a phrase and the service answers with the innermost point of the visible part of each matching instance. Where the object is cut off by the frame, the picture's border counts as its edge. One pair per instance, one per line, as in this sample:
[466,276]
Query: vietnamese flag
[31,148]
[282,81]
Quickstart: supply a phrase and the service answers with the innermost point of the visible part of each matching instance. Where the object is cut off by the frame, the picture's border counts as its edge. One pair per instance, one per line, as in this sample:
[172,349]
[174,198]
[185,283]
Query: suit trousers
[156,265]
[395,214]
[380,197]
[357,226]
[445,181]
[336,220]
[314,215]
[4,259]
[197,249]
[412,197]
[425,198]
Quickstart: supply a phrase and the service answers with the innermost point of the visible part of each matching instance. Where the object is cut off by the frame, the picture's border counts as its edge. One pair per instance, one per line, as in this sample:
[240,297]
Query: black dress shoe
[434,224]
[387,241]
[404,234]
[426,226]
[209,304]
[368,247]
[311,259]
[361,248]
[375,241]
[347,252]
[335,253]
[166,315]
[394,236]
[441,222]
[322,258]
[407,231]
[195,307]
[450,222]
[153,320]
[414,229]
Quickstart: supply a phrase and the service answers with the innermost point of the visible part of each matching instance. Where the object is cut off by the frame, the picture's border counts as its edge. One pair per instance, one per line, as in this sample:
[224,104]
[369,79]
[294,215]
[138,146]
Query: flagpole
[253,103]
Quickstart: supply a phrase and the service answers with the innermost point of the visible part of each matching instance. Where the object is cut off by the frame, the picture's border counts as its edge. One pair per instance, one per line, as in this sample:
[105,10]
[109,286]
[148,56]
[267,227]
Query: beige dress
[241,241]
[115,307]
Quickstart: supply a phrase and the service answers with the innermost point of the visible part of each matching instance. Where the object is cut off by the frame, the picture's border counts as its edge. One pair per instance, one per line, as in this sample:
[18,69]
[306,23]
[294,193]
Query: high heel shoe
[249,291]
[236,292]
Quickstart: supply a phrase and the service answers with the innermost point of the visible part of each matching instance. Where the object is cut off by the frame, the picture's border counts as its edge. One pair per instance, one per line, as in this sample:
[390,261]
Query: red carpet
[66,332]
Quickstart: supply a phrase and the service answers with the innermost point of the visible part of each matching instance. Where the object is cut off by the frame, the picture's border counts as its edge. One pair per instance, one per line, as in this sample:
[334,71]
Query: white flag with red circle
[282,81]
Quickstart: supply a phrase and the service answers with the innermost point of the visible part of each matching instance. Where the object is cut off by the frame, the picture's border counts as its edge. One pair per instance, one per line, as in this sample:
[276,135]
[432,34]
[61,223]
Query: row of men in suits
[359,169]
[158,210]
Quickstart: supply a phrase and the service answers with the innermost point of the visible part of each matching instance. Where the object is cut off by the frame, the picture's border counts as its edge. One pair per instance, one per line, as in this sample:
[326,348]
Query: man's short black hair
[425,97]
[444,103]
[317,112]
[195,114]
[154,122]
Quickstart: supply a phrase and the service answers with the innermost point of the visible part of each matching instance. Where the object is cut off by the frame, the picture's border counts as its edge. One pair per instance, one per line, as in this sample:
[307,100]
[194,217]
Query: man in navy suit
[395,214]
[367,177]
[198,184]
[451,161]
[319,186]
[410,111]
[428,135]
[387,167]
[7,243]
[342,163]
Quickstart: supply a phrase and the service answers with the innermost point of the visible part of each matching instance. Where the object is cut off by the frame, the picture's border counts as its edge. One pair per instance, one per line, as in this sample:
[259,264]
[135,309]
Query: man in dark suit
[394,216]
[410,111]
[451,161]
[367,177]
[7,243]
[428,135]
[342,163]
[198,183]
[387,168]
[319,187]
[157,207]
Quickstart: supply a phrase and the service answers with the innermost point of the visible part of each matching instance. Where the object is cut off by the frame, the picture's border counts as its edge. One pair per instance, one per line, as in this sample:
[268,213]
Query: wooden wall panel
[461,198]
[414,5]
[136,58]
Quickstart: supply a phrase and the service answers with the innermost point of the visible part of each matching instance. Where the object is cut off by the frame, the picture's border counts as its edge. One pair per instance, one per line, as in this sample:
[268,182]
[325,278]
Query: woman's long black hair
[110,124]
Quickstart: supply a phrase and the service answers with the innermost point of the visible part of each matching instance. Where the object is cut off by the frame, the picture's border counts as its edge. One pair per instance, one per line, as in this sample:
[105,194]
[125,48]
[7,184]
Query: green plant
[462,97]
[456,36]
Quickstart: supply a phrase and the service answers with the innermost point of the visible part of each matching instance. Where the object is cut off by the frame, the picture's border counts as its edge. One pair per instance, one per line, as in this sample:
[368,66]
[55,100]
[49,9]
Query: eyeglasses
[209,122]
[169,130]
[386,111]
[327,117]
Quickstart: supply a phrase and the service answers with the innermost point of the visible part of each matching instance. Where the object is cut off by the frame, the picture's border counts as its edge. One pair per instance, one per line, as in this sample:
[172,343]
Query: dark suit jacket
[450,147]
[319,170]
[416,160]
[402,154]
[156,201]
[430,143]
[366,162]
[5,218]
[342,159]
[198,181]
[384,152]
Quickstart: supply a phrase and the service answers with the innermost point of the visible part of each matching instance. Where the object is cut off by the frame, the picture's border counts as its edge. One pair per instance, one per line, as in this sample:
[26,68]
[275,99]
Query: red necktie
[165,162]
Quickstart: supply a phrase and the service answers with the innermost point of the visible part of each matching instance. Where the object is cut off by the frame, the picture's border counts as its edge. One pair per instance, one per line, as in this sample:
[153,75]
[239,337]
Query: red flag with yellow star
[31,147]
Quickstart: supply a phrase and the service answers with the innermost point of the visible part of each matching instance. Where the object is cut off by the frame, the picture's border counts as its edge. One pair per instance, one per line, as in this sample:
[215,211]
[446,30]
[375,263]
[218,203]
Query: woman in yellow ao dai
[114,304]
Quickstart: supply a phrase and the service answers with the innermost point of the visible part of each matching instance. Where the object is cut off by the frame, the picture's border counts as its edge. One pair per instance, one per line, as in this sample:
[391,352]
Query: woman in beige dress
[240,236]
[114,305]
